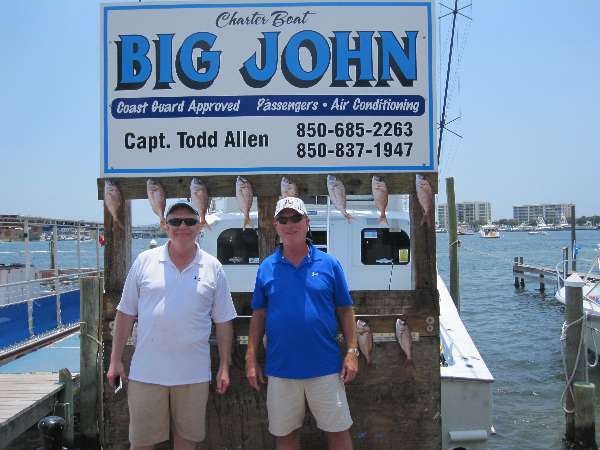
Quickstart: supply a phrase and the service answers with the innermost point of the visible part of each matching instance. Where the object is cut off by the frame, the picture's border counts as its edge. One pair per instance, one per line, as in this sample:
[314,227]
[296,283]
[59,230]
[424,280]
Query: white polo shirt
[174,311]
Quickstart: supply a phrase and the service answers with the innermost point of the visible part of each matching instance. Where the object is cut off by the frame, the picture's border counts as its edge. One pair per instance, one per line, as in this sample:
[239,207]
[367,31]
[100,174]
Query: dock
[520,270]
[28,397]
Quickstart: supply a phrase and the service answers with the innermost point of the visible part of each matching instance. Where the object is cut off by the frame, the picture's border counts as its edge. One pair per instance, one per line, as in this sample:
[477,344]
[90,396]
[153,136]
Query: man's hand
[254,373]
[115,370]
[223,379]
[349,368]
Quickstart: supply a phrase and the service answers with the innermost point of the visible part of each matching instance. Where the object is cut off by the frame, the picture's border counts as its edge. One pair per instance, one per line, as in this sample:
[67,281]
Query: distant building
[551,213]
[466,212]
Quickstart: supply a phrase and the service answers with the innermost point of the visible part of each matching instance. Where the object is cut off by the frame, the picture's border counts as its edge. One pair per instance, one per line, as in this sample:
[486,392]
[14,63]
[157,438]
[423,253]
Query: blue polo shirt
[301,321]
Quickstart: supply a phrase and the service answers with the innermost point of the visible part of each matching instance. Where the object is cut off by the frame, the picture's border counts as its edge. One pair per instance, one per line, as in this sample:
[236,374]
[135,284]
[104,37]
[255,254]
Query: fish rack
[392,407]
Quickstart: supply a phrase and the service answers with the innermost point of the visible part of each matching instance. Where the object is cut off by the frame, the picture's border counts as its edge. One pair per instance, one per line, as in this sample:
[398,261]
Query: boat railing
[19,291]
[589,292]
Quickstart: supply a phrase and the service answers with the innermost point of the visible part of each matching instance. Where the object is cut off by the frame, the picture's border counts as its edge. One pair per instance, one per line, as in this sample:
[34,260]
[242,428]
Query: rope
[456,242]
[83,332]
[569,378]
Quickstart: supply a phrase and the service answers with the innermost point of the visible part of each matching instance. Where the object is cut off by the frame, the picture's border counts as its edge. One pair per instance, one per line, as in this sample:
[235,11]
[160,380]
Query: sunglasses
[295,219]
[175,222]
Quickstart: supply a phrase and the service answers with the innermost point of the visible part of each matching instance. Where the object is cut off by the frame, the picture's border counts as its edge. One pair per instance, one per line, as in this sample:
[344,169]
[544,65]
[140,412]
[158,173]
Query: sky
[523,91]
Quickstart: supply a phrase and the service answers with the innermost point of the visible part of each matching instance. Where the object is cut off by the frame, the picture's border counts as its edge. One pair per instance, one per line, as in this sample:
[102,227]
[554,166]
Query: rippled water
[517,331]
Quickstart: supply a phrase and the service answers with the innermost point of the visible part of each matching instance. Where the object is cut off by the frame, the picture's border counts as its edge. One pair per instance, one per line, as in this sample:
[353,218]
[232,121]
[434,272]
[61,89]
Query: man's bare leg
[289,442]
[340,440]
[183,444]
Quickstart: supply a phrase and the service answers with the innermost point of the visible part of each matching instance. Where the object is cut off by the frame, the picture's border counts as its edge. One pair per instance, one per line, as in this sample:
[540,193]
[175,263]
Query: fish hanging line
[456,10]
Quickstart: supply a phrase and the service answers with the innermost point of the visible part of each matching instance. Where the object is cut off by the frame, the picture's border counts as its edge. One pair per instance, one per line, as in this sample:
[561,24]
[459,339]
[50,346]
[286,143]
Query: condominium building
[550,212]
[466,212]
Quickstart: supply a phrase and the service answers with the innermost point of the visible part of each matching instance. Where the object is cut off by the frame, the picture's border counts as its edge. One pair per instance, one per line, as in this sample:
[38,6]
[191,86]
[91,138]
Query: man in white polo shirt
[176,291]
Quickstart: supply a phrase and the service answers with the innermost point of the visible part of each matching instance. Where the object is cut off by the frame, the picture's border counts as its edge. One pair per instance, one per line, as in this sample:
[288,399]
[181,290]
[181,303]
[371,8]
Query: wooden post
[516,273]
[573,240]
[90,319]
[585,422]
[117,261]
[267,237]
[522,274]
[574,367]
[453,242]
[542,285]
[565,266]
[66,406]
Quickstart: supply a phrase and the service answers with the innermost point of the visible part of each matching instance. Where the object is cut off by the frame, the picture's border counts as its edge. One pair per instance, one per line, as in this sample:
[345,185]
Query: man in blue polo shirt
[299,296]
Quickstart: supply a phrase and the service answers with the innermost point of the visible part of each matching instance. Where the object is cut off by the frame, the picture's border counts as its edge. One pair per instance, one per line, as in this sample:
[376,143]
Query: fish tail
[348,216]
[204,224]
[247,222]
[383,220]
[409,363]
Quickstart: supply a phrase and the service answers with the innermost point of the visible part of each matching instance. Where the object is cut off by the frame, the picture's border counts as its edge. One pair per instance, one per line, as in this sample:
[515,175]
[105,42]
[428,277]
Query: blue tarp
[44,314]
[13,324]
[69,307]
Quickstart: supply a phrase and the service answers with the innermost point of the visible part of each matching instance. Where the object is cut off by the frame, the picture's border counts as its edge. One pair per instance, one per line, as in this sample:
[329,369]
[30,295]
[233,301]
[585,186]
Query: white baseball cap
[291,203]
[182,204]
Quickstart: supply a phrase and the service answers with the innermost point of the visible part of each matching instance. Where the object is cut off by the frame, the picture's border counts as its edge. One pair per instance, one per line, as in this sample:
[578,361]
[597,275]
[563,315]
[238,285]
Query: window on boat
[238,246]
[382,246]
[319,240]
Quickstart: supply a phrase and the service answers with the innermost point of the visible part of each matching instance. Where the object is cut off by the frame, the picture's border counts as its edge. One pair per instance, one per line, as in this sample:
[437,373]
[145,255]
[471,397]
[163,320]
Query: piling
[516,262]
[574,349]
[65,407]
[565,266]
[91,289]
[542,285]
[573,241]
[453,241]
[585,422]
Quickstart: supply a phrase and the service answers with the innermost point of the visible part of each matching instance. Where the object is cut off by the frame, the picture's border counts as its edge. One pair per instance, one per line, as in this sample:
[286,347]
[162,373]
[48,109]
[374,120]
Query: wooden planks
[25,399]
[268,185]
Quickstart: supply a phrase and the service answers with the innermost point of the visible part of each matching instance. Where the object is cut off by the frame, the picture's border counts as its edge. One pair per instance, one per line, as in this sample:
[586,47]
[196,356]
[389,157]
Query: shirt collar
[164,254]
[312,255]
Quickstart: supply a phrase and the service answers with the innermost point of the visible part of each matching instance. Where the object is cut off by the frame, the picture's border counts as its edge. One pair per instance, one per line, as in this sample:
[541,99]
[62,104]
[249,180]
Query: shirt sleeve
[131,291]
[223,308]
[341,293]
[259,300]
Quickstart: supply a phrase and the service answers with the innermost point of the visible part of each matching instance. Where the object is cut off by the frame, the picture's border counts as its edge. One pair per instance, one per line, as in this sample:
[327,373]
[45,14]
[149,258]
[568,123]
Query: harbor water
[517,331]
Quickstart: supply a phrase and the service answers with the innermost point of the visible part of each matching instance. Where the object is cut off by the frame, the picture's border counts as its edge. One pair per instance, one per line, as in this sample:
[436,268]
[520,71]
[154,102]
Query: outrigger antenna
[443,123]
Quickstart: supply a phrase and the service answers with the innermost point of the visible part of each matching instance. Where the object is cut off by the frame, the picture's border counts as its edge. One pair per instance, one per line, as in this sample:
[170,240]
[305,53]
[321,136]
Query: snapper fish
[244,195]
[289,188]
[113,201]
[425,196]
[380,195]
[365,340]
[337,193]
[157,197]
[404,339]
[200,200]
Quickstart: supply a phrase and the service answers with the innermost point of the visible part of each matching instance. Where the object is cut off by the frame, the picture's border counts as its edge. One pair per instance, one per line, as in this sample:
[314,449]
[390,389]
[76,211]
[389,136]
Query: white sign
[191,88]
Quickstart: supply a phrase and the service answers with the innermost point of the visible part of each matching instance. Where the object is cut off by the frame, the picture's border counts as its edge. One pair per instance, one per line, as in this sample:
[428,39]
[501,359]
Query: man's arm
[346,317]
[122,331]
[224,331]
[257,330]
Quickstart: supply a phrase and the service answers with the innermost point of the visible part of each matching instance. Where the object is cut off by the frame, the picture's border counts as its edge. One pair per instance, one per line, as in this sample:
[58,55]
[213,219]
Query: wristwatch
[353,350]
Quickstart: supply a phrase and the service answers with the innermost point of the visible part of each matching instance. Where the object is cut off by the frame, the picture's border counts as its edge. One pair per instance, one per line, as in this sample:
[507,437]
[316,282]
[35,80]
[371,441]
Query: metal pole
[78,248]
[98,248]
[453,241]
[573,241]
[28,276]
[565,266]
[56,273]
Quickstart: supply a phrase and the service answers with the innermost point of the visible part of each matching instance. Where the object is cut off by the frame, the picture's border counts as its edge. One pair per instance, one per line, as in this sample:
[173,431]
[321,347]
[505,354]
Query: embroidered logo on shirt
[315,274]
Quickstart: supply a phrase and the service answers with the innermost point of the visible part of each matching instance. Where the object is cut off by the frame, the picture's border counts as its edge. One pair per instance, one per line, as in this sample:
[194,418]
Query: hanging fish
[380,195]
[113,201]
[365,340]
[289,188]
[157,197]
[199,196]
[244,195]
[404,339]
[425,196]
[337,193]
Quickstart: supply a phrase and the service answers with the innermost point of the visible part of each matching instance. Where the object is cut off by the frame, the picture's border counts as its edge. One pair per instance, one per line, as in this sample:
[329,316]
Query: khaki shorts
[154,409]
[326,397]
